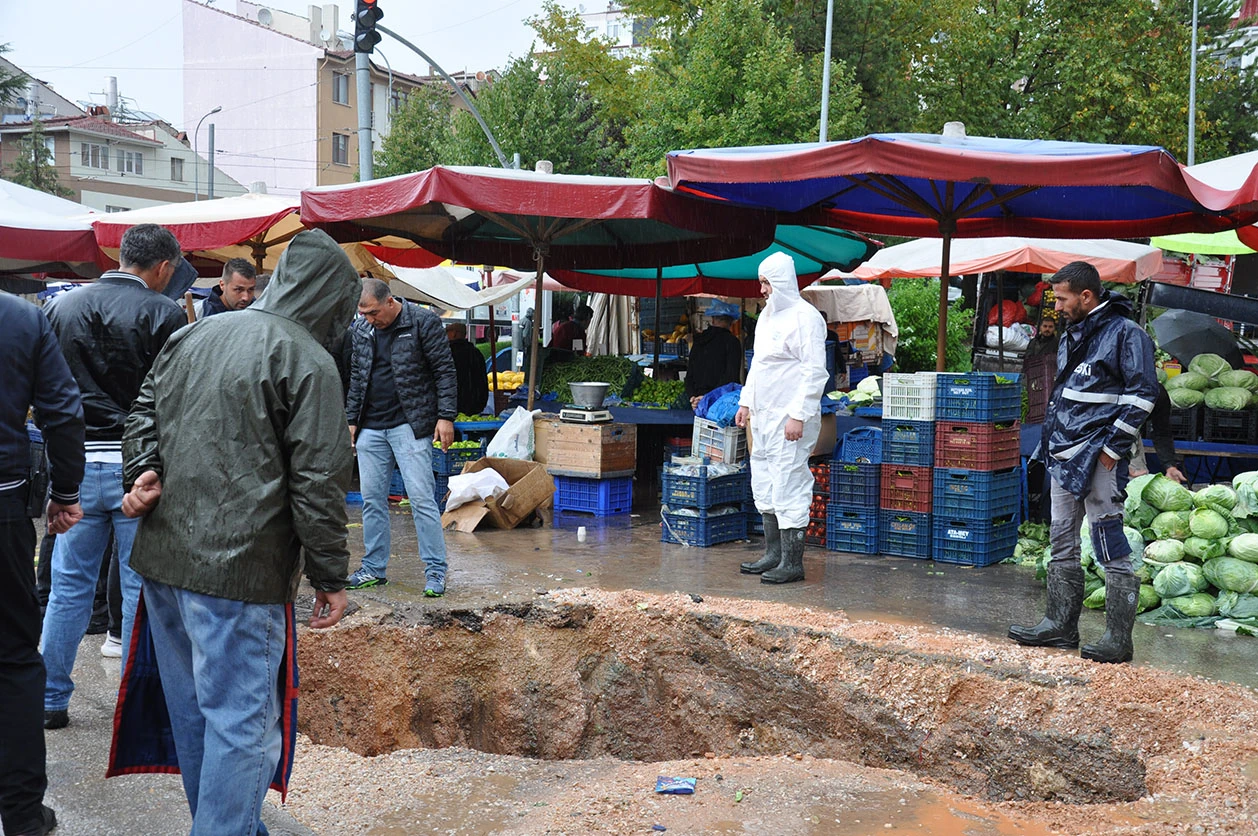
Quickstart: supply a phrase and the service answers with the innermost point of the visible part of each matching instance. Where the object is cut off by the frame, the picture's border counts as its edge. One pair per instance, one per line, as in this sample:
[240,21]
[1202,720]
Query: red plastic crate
[974,445]
[906,488]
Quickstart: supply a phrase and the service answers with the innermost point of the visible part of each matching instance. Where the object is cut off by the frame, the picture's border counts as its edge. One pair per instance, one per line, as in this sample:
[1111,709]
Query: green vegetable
[1231,575]
[1171,525]
[1246,494]
[1179,579]
[1188,380]
[1236,605]
[1228,398]
[1166,494]
[1201,549]
[1161,372]
[1185,398]
[1149,598]
[1164,552]
[869,385]
[1244,547]
[1240,378]
[613,370]
[1207,524]
[459,445]
[1209,365]
[1193,605]
[1096,600]
[1215,496]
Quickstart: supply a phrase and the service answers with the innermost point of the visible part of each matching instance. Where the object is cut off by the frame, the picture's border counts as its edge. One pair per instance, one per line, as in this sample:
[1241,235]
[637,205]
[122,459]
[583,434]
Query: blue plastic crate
[908,442]
[854,484]
[848,530]
[601,497]
[450,462]
[863,444]
[978,396]
[704,530]
[442,488]
[855,374]
[971,494]
[396,486]
[972,542]
[904,533]
[755,521]
[701,492]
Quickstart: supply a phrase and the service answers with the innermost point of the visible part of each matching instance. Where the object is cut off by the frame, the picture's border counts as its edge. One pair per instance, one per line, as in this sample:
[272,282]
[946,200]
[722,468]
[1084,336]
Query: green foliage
[34,166]
[11,84]
[420,131]
[915,303]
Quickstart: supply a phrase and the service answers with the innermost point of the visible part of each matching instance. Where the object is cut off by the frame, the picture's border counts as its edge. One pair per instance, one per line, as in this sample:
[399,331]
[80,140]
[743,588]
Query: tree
[34,166]
[11,84]
[915,303]
[419,134]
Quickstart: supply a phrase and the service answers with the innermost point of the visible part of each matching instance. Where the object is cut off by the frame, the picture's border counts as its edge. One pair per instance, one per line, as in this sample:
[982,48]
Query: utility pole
[210,188]
[825,71]
[1192,91]
[362,66]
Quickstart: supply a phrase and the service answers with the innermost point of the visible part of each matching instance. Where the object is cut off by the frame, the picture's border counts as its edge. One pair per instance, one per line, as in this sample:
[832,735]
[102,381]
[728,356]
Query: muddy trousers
[1103,506]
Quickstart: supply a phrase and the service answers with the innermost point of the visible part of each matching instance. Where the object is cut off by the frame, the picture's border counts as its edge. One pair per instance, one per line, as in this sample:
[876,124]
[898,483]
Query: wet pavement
[619,553]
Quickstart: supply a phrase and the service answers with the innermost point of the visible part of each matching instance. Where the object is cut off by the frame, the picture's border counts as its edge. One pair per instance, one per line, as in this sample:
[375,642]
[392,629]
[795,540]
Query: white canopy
[856,303]
[443,288]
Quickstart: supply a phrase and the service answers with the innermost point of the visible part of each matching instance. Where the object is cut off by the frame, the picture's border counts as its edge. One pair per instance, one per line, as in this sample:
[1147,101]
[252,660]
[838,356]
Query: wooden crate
[590,450]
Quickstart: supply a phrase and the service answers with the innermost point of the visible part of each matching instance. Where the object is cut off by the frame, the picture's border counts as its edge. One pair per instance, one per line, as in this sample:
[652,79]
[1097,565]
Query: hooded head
[314,285]
[779,270]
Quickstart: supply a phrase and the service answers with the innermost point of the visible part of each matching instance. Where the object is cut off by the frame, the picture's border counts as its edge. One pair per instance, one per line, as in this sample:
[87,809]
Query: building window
[340,88]
[93,156]
[340,149]
[176,169]
[112,209]
[130,162]
[397,100]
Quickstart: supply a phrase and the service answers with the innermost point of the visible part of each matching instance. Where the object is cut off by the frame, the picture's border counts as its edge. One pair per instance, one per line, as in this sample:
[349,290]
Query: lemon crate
[450,462]
[601,497]
[909,397]
[855,484]
[717,443]
[975,445]
[978,396]
[703,530]
[904,533]
[701,492]
[973,542]
[908,442]
[973,494]
[849,530]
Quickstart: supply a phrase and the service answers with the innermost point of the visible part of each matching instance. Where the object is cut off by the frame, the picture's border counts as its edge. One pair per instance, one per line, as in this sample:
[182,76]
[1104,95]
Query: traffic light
[366,13]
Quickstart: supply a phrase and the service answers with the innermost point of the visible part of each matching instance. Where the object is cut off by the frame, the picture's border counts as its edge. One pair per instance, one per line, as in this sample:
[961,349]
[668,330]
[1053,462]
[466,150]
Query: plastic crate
[821,478]
[678,349]
[441,488]
[855,374]
[755,521]
[450,462]
[971,494]
[601,497]
[909,397]
[978,397]
[717,443]
[1039,372]
[908,442]
[855,484]
[1185,423]
[906,488]
[396,486]
[973,542]
[701,492]
[863,444]
[851,531]
[971,445]
[904,533]
[704,530]
[1228,427]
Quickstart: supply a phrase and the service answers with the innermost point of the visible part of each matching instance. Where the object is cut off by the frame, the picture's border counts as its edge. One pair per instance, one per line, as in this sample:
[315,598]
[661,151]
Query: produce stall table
[1207,462]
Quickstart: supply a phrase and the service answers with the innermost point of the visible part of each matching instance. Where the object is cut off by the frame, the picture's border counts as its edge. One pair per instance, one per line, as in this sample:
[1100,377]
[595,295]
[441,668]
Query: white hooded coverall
[786,380]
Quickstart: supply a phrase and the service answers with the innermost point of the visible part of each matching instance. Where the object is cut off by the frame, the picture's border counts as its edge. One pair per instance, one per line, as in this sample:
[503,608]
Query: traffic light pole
[457,89]
[362,66]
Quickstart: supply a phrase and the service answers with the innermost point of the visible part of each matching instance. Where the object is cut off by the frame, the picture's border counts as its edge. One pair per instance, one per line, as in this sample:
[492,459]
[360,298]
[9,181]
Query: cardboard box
[594,451]
[529,488]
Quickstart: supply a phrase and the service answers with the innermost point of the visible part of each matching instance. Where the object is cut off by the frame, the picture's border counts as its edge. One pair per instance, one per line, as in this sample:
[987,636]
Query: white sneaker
[112,648]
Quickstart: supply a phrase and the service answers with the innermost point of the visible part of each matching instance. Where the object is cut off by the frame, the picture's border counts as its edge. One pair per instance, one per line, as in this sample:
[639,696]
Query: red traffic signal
[366,13]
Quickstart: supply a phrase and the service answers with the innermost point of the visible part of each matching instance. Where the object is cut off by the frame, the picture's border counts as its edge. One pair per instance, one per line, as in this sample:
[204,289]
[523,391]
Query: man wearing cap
[716,357]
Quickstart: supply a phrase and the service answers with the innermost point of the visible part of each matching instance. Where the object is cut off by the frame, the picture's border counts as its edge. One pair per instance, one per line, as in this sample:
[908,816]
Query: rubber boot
[791,568]
[1122,598]
[772,549]
[1060,627]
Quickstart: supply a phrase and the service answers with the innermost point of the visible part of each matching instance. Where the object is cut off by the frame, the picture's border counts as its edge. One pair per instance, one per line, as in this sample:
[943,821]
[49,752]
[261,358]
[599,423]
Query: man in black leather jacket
[110,333]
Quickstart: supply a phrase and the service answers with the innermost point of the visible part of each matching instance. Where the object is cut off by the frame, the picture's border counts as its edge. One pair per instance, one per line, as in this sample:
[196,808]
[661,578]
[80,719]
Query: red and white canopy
[42,233]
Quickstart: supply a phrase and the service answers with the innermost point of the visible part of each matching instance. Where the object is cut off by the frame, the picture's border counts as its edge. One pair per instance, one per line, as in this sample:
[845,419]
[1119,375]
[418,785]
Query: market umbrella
[956,186]
[1204,243]
[1185,334]
[41,233]
[527,219]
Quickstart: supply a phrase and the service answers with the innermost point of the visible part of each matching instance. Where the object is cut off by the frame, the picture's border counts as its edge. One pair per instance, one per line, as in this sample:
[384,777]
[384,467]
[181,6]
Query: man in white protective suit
[782,401]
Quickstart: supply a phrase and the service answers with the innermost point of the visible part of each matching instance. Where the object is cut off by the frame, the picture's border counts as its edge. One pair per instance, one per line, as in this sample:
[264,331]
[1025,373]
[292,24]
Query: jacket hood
[779,269]
[314,285]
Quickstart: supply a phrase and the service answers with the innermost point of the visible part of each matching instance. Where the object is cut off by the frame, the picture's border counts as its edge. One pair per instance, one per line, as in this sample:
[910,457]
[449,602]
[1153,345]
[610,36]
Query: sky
[74,45]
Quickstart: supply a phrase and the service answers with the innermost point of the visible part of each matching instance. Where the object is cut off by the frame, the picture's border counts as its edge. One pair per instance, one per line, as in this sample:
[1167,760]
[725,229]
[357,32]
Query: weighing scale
[573,414]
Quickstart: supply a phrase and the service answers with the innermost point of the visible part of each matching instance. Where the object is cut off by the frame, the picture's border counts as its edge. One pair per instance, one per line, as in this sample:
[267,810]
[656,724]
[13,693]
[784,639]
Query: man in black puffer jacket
[403,394]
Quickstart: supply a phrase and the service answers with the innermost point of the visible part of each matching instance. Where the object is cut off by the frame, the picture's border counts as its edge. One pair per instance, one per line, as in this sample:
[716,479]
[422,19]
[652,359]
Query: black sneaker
[56,720]
[47,823]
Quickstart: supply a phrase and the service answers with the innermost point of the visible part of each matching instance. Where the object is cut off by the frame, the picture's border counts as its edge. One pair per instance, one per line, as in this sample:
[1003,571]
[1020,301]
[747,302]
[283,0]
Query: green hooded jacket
[242,418]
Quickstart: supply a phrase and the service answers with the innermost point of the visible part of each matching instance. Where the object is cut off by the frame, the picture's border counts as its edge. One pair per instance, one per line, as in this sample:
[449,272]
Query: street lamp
[196,169]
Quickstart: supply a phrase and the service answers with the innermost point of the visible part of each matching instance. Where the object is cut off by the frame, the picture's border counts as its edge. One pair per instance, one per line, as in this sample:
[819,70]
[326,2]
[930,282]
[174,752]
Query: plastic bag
[475,487]
[514,439]
[706,402]
[1011,312]
[1017,337]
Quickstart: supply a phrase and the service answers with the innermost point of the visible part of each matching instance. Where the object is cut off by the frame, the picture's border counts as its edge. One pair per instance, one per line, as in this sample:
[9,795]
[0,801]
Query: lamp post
[1192,91]
[196,169]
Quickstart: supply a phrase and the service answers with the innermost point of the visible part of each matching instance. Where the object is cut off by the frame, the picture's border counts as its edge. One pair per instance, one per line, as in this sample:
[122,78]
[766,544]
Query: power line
[124,46]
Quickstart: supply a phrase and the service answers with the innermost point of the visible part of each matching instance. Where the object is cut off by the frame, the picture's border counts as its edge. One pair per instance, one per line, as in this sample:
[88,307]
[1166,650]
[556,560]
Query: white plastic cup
[580,534]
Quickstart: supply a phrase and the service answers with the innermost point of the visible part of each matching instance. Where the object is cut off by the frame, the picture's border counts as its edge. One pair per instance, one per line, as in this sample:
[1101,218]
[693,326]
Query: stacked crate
[815,534]
[447,463]
[978,478]
[852,515]
[908,456]
[702,511]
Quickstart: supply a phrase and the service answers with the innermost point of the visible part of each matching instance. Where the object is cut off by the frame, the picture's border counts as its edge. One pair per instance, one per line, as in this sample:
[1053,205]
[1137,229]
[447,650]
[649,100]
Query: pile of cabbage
[866,393]
[1210,380]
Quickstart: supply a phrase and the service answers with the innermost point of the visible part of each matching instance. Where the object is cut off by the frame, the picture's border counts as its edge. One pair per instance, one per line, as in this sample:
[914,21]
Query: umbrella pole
[1000,319]
[742,362]
[942,345]
[189,311]
[537,319]
[659,303]
[493,343]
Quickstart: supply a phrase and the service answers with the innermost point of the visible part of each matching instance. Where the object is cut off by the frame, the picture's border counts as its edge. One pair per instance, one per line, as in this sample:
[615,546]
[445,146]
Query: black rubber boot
[1060,627]
[1122,598]
[791,568]
[772,549]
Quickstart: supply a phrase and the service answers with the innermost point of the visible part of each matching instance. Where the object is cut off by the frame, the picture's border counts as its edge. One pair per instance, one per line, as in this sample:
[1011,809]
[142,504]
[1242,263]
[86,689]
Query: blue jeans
[219,661]
[76,561]
[377,451]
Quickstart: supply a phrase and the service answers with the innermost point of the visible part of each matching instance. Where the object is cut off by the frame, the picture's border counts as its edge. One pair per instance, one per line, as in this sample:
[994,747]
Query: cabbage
[1207,524]
[1228,398]
[1240,378]
[869,385]
[1135,487]
[1161,372]
[1210,365]
[1148,598]
[1138,514]
[1195,605]
[1185,398]
[1188,380]
[1236,605]
[1231,575]
[1246,494]
[1244,547]
[1179,579]
[1163,552]
[1166,495]
[1171,525]
[1201,549]
[1214,496]
[1096,600]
